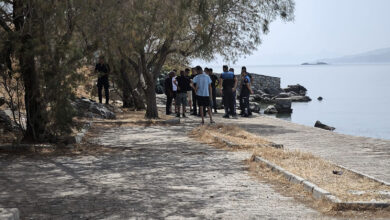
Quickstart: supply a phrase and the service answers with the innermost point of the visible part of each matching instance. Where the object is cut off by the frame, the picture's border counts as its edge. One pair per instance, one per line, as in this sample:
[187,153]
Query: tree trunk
[150,93]
[35,108]
[127,98]
[138,98]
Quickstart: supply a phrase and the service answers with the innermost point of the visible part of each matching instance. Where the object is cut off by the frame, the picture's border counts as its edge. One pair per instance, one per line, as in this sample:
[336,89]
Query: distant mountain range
[374,56]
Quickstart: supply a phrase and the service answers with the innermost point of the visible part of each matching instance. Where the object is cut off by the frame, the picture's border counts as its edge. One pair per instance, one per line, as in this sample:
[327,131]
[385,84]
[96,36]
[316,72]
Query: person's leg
[201,113]
[211,115]
[234,103]
[100,88]
[194,103]
[107,91]
[168,104]
[215,100]
[231,105]
[189,98]
[226,104]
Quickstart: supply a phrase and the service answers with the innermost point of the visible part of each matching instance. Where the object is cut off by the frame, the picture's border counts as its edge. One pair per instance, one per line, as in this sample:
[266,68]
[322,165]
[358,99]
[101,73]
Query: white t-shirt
[174,87]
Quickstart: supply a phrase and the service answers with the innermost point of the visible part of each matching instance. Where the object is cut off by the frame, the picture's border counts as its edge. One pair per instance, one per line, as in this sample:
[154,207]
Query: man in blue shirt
[203,91]
[229,85]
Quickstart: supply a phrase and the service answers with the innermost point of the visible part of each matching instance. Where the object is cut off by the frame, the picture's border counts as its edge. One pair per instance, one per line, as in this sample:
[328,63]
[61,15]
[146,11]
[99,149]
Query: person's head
[206,70]
[101,59]
[211,70]
[181,72]
[231,70]
[171,74]
[243,69]
[225,68]
[199,69]
[174,70]
[187,72]
[193,71]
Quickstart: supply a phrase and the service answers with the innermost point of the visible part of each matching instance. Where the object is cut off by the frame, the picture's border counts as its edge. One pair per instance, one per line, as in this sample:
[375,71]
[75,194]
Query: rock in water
[318,124]
[300,98]
[283,105]
[254,107]
[320,98]
[298,89]
[87,108]
[270,110]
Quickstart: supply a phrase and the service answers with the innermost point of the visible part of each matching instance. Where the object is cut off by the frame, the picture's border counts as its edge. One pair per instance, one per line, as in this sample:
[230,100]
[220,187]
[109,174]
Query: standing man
[189,91]
[102,69]
[246,90]
[194,107]
[183,85]
[169,93]
[214,84]
[202,86]
[229,85]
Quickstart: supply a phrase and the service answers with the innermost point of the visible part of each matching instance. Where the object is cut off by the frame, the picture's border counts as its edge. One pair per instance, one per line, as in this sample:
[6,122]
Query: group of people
[200,90]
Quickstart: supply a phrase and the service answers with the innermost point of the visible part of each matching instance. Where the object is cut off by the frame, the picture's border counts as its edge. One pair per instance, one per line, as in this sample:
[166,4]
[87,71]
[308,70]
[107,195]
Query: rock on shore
[88,108]
[318,124]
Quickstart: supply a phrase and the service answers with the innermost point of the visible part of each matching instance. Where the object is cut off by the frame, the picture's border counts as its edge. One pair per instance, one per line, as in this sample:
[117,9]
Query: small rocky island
[317,63]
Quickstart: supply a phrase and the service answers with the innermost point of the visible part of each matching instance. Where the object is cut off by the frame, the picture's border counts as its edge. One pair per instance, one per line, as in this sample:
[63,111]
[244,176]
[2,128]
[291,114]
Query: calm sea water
[356,97]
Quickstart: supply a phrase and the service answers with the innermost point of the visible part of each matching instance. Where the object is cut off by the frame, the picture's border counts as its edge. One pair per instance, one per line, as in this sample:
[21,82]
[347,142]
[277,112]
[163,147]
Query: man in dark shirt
[102,69]
[214,84]
[183,85]
[169,93]
[229,85]
[245,93]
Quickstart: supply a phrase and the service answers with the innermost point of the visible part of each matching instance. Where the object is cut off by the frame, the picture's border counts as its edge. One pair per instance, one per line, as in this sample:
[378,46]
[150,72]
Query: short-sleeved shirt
[244,89]
[202,81]
[174,87]
[228,80]
[184,84]
[214,80]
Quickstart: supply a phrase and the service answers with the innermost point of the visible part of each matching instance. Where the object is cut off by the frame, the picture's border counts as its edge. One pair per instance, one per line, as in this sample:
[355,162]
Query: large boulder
[90,109]
[318,124]
[298,89]
[283,105]
[2,101]
[6,123]
[254,107]
[300,98]
[270,110]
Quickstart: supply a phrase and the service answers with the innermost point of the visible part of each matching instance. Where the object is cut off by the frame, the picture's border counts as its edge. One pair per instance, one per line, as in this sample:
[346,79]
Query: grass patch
[348,187]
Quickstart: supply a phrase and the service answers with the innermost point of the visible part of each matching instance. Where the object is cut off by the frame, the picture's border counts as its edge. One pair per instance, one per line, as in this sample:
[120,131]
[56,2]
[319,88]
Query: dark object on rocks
[272,91]
[320,98]
[5,122]
[300,98]
[337,172]
[90,109]
[270,110]
[254,107]
[318,124]
[283,105]
[2,101]
[298,89]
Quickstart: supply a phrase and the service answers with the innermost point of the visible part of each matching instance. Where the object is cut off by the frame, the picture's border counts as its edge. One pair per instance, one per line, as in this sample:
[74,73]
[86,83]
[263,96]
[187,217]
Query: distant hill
[374,56]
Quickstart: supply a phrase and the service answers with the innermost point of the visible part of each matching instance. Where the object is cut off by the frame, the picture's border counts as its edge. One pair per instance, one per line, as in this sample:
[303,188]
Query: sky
[322,29]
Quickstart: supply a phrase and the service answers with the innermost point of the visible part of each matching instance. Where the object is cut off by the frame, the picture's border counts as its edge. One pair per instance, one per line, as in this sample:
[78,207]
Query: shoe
[245,115]
[234,116]
[178,115]
[184,116]
[215,111]
[194,114]
[226,116]
[212,122]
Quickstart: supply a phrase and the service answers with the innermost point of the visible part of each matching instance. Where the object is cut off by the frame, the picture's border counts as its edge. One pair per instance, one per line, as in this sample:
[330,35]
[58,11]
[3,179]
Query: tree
[40,38]
[148,32]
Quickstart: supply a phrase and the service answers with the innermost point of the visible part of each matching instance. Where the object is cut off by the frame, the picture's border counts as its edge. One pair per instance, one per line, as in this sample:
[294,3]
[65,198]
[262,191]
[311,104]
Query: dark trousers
[194,103]
[169,104]
[214,99]
[103,82]
[228,98]
[244,101]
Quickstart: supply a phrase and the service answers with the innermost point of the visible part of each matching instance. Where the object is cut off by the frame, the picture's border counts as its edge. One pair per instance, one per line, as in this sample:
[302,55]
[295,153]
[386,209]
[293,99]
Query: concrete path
[367,155]
[160,174]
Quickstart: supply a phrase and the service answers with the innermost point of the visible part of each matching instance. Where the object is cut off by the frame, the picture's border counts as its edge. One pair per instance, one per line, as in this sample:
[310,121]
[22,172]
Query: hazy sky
[323,28]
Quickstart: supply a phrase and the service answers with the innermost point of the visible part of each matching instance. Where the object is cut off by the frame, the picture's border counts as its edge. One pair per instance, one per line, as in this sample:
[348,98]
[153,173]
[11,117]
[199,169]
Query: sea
[356,98]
